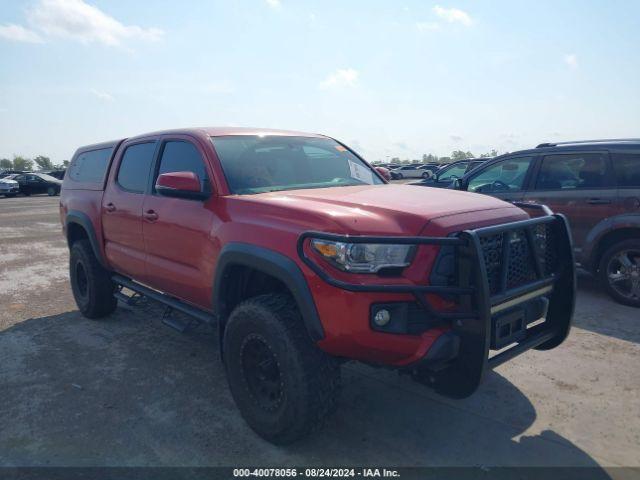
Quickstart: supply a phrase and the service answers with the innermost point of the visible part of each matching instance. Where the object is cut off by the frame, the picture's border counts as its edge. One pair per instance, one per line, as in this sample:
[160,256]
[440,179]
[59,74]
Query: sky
[389,78]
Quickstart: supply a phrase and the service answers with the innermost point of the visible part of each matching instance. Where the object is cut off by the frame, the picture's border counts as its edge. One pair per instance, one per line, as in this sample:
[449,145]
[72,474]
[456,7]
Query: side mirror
[384,172]
[180,185]
[457,184]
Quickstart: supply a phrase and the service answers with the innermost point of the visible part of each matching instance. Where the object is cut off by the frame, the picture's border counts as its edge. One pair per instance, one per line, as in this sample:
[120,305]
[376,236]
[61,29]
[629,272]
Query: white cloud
[427,26]
[18,33]
[571,59]
[85,23]
[102,95]
[345,77]
[274,3]
[453,15]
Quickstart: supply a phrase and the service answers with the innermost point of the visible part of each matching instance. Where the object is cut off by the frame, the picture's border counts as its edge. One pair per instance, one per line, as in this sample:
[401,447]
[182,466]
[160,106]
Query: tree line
[431,158]
[26,164]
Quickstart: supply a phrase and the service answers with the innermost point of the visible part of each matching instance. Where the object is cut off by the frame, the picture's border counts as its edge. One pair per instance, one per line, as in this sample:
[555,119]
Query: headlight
[364,257]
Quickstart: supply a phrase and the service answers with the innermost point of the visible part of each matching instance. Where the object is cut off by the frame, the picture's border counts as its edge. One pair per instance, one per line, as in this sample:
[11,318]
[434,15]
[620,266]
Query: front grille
[520,260]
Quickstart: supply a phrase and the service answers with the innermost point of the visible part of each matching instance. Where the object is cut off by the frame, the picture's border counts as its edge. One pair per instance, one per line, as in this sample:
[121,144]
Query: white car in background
[9,187]
[410,171]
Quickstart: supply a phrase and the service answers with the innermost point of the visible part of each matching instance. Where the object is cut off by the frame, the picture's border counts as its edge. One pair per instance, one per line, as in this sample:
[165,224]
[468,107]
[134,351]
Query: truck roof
[204,131]
[223,131]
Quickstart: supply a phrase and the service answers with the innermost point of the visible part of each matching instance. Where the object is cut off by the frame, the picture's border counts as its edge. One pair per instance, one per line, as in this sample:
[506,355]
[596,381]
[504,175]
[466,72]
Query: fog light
[382,317]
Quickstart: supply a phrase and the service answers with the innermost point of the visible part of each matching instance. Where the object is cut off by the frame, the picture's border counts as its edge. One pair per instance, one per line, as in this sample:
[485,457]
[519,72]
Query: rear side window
[571,172]
[179,156]
[627,169]
[90,166]
[135,167]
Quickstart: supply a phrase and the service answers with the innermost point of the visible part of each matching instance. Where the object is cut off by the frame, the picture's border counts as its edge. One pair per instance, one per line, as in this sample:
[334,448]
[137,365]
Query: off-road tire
[91,283]
[309,379]
[610,253]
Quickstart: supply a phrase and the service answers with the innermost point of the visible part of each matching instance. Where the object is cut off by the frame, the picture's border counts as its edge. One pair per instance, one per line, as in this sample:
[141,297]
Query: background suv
[596,184]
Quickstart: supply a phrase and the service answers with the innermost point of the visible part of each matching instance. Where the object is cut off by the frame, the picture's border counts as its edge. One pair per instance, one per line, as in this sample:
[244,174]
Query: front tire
[619,272]
[283,384]
[51,191]
[91,283]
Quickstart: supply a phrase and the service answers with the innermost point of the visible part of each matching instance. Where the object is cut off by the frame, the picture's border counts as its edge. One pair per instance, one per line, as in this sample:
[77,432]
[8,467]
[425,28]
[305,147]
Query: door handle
[110,207]
[150,215]
[598,201]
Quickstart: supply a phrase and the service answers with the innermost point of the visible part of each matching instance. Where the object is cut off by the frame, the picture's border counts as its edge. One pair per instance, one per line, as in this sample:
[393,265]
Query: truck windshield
[257,164]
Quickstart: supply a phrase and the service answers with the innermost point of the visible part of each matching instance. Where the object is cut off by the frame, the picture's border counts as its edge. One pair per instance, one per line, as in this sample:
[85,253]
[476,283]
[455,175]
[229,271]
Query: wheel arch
[604,235]
[241,257]
[78,225]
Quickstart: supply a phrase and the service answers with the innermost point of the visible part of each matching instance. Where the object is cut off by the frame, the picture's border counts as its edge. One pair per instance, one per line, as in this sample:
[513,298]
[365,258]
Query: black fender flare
[600,230]
[82,219]
[271,263]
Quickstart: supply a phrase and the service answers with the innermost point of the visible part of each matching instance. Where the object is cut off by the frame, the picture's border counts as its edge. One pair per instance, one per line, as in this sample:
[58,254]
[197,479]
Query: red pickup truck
[305,257]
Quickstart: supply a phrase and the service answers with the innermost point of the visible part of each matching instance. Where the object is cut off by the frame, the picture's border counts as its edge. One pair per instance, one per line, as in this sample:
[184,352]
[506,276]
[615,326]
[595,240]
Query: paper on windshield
[360,172]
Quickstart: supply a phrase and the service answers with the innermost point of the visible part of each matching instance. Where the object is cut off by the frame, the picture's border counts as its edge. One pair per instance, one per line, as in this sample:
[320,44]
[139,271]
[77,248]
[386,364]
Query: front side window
[181,156]
[135,167]
[256,164]
[627,169]
[505,176]
[453,172]
[570,172]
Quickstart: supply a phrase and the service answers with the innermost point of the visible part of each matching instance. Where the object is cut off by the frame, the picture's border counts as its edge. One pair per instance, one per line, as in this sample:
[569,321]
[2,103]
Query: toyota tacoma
[304,257]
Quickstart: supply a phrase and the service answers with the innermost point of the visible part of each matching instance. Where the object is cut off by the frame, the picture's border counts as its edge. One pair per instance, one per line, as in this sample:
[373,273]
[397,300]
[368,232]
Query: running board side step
[170,302]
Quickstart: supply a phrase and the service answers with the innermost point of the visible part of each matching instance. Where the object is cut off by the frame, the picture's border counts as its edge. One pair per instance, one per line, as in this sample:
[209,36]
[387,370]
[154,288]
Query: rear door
[505,179]
[180,252]
[578,185]
[122,204]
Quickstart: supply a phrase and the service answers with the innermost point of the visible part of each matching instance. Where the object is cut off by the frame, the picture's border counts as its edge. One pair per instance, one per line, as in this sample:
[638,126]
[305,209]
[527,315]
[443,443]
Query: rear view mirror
[180,185]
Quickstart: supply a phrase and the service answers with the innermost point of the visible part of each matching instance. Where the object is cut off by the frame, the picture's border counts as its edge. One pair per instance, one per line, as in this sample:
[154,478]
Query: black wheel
[620,272]
[26,194]
[400,176]
[426,175]
[51,191]
[283,384]
[91,283]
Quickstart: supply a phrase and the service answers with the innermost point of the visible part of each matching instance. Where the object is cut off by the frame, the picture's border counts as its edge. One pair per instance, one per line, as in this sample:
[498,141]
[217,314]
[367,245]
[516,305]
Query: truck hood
[387,209]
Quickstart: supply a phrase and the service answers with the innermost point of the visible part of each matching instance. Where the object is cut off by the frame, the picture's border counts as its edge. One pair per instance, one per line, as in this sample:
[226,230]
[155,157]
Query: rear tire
[283,384]
[619,272]
[91,283]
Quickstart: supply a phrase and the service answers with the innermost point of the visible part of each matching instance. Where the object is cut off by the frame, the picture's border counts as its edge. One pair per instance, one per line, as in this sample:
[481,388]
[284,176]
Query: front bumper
[9,190]
[503,273]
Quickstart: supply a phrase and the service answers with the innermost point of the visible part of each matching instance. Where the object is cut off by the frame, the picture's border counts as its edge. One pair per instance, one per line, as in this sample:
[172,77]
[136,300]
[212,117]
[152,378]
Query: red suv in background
[596,185]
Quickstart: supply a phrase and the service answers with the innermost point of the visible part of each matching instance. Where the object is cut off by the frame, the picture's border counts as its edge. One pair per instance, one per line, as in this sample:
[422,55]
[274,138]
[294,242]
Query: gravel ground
[128,391]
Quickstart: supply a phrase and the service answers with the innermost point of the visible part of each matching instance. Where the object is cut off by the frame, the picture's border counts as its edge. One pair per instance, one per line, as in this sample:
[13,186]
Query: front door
[177,231]
[122,208]
[578,185]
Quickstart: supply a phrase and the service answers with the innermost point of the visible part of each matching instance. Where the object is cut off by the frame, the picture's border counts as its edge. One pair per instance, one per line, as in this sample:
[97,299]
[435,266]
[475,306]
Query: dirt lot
[130,391]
